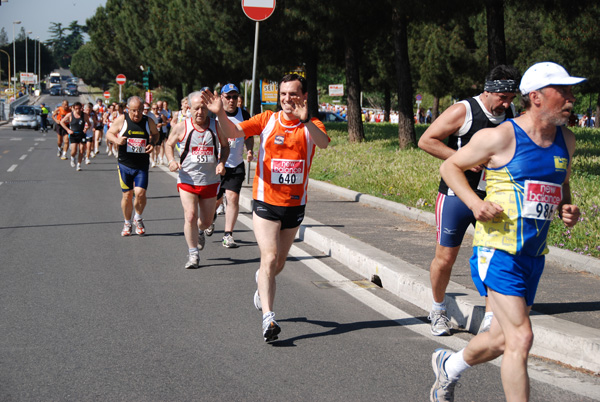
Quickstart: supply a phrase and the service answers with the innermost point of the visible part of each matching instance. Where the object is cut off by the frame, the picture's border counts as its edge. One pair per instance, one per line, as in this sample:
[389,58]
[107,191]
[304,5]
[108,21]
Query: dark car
[71,90]
[330,116]
[55,91]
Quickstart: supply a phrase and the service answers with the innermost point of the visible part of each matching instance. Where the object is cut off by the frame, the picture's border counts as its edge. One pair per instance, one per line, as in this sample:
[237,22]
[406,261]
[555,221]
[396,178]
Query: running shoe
[210,230]
[87,161]
[59,152]
[440,324]
[72,161]
[78,167]
[229,242]
[109,152]
[270,328]
[93,154]
[443,388]
[153,164]
[201,240]
[139,227]
[221,209]
[193,261]
[126,230]
[485,323]
[257,303]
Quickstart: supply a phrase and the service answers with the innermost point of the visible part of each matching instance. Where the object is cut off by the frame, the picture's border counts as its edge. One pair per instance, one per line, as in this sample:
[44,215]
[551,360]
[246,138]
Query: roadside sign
[258,10]
[336,90]
[121,79]
[106,94]
[419,97]
[148,97]
[268,92]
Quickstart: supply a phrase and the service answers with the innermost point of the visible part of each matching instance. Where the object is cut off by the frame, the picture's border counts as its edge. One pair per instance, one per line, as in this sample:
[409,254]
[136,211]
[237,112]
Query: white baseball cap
[546,73]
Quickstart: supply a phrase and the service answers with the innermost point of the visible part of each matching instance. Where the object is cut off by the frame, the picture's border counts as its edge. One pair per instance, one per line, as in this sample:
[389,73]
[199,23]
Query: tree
[84,66]
[3,37]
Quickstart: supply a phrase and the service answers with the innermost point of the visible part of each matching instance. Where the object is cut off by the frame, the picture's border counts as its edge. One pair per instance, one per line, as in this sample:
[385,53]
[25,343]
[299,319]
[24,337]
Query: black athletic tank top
[77,124]
[133,153]
[479,121]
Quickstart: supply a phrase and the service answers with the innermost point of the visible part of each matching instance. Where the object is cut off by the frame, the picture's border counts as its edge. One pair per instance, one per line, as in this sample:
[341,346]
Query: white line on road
[538,370]
[31,149]
[16,139]
[12,168]
[23,157]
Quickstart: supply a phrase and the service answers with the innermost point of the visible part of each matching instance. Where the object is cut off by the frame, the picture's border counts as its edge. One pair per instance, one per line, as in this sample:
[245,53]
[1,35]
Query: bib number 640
[287,178]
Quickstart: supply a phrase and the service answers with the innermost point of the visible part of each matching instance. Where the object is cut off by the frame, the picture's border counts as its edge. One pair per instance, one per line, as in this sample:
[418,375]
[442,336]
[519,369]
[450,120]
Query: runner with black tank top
[134,135]
[74,124]
[458,124]
[200,166]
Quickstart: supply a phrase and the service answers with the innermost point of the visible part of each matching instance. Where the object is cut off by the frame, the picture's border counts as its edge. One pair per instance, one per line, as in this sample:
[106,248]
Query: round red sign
[258,10]
[121,79]
[106,94]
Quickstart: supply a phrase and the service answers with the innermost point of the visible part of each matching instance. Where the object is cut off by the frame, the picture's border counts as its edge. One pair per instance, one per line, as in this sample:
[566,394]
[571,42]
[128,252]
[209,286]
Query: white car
[26,117]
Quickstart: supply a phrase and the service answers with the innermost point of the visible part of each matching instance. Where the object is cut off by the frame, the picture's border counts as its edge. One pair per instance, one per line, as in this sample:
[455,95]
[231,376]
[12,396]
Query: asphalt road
[87,315]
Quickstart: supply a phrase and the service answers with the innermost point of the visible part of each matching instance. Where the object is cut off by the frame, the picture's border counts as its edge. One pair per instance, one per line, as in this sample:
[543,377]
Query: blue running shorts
[130,177]
[505,273]
[452,218]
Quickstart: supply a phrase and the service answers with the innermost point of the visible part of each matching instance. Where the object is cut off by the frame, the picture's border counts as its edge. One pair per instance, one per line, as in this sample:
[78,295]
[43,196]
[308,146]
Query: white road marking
[12,168]
[23,157]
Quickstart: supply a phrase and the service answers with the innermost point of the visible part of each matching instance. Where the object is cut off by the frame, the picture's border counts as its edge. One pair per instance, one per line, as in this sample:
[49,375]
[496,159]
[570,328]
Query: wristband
[171,161]
[305,121]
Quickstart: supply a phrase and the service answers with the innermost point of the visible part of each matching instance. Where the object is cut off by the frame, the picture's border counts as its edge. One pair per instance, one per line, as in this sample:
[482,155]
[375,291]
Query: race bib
[232,142]
[285,171]
[482,182]
[136,145]
[203,154]
[541,199]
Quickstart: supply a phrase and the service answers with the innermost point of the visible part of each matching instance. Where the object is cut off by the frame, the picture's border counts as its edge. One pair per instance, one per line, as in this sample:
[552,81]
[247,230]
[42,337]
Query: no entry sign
[106,94]
[121,79]
[258,10]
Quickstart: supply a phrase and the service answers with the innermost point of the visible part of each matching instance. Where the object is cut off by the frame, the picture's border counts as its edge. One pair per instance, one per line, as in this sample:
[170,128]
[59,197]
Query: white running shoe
[87,161]
[72,161]
[64,156]
[229,242]
[59,152]
[443,388]
[78,167]
[193,261]
[440,324]
[126,230]
[210,230]
[270,328]
[257,303]
[201,240]
[153,164]
[221,209]
[109,152]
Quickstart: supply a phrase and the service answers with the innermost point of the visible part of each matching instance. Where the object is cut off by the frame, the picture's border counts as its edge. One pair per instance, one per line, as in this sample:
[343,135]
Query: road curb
[556,339]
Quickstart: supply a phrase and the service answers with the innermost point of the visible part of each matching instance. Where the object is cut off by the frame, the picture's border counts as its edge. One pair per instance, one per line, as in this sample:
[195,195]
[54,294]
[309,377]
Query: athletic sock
[227,233]
[137,217]
[127,222]
[455,365]
[193,251]
[268,313]
[435,306]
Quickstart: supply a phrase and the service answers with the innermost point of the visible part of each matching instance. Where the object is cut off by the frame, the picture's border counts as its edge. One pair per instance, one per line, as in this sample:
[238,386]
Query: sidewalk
[396,244]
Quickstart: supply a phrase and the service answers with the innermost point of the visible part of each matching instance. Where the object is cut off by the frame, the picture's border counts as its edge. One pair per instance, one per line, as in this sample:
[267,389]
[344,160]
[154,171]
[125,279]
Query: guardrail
[21,101]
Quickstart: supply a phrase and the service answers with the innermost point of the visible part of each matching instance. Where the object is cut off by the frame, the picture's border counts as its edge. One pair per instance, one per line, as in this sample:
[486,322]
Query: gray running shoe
[485,323]
[270,328]
[229,242]
[201,240]
[193,261]
[440,324]
[257,303]
[210,230]
[443,388]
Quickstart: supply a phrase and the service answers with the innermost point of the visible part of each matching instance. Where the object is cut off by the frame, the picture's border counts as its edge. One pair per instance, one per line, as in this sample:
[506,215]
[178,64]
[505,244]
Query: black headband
[501,86]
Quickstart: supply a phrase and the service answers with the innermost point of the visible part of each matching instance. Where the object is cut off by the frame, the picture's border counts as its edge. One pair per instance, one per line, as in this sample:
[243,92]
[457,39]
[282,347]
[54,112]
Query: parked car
[26,117]
[55,91]
[71,90]
[331,116]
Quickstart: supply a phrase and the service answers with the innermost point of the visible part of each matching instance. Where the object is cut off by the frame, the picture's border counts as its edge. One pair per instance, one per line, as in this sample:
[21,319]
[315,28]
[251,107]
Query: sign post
[256,10]
[121,80]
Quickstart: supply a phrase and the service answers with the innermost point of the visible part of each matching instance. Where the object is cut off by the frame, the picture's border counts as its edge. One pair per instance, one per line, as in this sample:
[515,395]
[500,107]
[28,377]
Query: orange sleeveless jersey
[284,158]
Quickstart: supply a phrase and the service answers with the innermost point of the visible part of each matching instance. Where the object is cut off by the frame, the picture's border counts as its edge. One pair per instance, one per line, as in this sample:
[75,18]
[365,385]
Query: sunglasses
[229,97]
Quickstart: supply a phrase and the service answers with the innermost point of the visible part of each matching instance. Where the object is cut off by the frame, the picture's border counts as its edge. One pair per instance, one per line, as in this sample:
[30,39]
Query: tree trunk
[406,122]
[312,63]
[435,112]
[387,95]
[597,122]
[356,131]
[495,32]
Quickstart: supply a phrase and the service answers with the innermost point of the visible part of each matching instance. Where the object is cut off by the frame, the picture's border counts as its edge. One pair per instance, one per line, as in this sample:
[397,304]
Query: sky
[36,15]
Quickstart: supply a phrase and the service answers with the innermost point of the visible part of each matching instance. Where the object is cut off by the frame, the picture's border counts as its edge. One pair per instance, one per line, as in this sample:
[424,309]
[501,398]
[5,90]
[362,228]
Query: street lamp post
[39,64]
[26,62]
[14,61]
